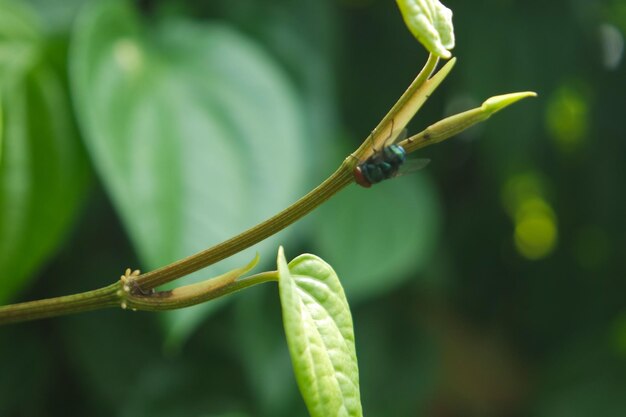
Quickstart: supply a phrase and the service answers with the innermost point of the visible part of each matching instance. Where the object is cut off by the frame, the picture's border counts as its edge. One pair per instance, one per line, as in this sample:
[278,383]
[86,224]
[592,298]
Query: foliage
[43,170]
[503,294]
[320,335]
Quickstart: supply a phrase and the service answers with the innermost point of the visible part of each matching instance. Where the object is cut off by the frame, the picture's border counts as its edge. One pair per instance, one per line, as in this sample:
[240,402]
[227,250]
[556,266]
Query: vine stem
[136,291]
[338,180]
[139,288]
[403,110]
[68,304]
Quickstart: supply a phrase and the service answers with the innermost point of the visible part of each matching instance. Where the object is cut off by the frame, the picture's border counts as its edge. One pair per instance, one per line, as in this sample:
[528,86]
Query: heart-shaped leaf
[194,130]
[320,336]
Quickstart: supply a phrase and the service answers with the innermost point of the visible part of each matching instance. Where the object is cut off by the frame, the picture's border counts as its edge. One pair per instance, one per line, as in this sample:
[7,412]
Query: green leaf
[303,36]
[194,130]
[43,170]
[379,238]
[431,24]
[320,336]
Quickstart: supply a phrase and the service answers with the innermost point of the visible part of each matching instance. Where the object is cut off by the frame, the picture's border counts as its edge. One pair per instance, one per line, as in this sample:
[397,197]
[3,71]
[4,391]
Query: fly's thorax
[394,154]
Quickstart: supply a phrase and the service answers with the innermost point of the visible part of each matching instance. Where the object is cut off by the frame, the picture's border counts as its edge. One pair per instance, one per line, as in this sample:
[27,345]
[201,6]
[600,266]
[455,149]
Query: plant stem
[139,296]
[58,306]
[399,115]
[338,180]
[452,125]
[213,288]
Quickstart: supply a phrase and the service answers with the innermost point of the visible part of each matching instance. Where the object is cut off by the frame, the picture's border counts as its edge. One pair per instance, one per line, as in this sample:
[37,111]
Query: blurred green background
[490,284]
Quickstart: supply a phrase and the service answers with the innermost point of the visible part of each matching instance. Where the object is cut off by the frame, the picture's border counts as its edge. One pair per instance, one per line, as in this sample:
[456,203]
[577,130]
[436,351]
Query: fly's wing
[412,165]
[395,139]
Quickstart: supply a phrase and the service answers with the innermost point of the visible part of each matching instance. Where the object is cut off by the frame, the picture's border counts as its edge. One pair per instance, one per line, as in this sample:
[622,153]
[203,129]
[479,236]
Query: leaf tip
[431,24]
[281,262]
[497,103]
[253,262]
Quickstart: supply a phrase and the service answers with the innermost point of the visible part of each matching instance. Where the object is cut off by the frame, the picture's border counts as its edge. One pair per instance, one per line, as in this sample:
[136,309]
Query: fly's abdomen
[380,166]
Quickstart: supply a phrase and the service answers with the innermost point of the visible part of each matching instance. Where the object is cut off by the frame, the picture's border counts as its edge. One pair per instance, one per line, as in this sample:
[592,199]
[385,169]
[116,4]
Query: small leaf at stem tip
[497,103]
[431,24]
[320,336]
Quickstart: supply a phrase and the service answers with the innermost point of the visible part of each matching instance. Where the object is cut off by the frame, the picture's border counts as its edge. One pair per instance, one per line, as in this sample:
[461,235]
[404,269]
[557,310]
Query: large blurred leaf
[193,129]
[320,336]
[303,36]
[379,237]
[43,171]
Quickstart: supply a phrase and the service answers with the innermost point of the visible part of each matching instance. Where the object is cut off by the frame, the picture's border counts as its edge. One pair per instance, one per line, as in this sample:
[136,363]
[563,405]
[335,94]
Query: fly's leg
[371,138]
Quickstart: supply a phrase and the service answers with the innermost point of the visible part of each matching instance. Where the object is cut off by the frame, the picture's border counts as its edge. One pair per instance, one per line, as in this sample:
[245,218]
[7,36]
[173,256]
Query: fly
[386,163]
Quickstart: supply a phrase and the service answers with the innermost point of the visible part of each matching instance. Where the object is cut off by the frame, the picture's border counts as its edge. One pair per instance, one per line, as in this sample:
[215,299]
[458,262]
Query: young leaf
[431,24]
[320,336]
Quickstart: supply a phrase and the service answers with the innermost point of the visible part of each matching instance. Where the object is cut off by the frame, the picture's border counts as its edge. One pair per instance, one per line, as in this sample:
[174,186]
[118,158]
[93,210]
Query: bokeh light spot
[521,188]
[567,118]
[128,55]
[535,231]
[535,235]
[533,206]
